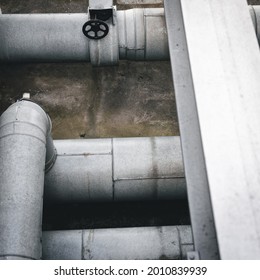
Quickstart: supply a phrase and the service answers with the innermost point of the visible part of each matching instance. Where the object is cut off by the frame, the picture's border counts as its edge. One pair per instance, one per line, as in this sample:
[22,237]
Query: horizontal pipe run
[144,243]
[59,37]
[119,169]
[24,129]
[142,35]
[43,37]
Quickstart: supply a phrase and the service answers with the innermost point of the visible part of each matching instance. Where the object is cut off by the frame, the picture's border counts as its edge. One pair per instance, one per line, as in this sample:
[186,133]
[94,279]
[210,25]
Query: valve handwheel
[95,29]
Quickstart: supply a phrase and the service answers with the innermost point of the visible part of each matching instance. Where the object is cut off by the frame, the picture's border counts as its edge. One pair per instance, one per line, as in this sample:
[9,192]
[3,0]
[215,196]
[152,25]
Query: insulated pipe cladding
[24,134]
[59,37]
[135,34]
[143,243]
[119,169]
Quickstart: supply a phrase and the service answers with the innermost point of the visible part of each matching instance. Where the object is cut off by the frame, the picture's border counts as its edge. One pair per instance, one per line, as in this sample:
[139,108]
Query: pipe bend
[24,136]
[30,117]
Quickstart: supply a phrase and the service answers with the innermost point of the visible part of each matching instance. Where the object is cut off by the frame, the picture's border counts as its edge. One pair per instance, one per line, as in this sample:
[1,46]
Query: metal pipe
[24,127]
[119,169]
[153,243]
[59,37]
[43,37]
[142,35]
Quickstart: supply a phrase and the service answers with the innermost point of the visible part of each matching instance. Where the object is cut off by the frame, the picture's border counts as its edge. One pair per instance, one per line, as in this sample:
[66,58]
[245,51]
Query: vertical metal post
[195,171]
[225,65]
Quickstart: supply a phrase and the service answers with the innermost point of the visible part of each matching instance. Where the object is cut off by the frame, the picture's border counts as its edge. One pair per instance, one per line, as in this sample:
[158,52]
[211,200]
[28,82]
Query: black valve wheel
[95,29]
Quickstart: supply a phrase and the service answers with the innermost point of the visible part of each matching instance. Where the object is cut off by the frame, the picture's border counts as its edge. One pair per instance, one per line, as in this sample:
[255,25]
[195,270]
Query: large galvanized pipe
[119,169]
[24,129]
[51,152]
[59,37]
[142,35]
[43,37]
[144,243]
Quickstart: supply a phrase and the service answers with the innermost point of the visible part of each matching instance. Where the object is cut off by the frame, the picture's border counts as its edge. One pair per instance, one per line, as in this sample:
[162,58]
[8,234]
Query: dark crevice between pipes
[115,215]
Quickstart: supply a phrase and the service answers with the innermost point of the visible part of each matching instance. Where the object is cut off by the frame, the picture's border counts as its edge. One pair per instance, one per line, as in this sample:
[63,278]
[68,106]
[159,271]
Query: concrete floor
[132,99]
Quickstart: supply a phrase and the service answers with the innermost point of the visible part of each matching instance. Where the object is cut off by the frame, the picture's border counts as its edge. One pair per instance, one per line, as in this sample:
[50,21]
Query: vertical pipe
[24,127]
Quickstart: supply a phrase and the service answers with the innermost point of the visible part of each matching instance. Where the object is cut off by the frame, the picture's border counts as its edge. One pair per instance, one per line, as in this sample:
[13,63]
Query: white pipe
[119,169]
[24,129]
[144,243]
[142,34]
[43,37]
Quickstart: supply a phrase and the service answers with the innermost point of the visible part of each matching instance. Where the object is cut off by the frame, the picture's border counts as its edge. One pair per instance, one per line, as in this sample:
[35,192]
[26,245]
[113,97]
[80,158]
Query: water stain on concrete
[132,99]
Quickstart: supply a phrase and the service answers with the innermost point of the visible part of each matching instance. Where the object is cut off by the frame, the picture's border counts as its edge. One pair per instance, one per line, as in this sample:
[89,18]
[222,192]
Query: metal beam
[225,68]
[196,178]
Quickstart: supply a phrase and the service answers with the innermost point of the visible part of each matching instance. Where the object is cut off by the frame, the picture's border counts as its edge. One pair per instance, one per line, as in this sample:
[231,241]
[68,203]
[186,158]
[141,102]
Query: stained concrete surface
[132,99]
